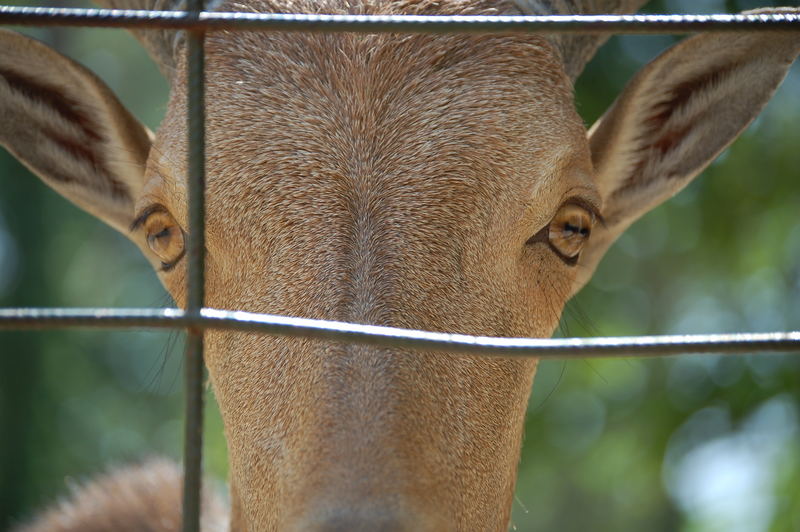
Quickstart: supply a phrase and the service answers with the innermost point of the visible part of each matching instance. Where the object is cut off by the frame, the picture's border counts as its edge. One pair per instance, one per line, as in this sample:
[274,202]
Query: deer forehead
[317,140]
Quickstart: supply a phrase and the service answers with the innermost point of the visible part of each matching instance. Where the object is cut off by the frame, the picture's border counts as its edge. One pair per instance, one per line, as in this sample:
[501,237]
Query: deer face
[367,180]
[441,183]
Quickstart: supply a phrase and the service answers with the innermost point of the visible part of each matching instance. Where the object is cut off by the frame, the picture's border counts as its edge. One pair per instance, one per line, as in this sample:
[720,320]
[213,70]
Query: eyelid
[589,206]
[145,213]
[167,266]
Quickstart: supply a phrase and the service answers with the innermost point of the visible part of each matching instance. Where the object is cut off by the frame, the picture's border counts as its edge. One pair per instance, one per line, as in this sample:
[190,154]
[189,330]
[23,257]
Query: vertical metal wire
[193,435]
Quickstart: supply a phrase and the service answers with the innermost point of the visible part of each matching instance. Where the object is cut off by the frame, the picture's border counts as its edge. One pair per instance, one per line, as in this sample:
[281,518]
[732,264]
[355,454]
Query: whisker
[539,407]
[595,371]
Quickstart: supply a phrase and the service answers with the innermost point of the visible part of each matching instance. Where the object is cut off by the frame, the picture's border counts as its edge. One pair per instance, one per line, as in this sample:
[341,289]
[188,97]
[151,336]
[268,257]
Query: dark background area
[691,443]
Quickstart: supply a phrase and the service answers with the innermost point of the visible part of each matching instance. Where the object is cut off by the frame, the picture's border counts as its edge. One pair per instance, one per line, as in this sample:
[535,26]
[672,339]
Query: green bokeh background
[693,443]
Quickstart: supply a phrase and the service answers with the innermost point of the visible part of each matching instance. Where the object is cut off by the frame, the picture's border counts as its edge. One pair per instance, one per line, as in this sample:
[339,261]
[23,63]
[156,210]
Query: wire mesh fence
[208,21]
[195,318]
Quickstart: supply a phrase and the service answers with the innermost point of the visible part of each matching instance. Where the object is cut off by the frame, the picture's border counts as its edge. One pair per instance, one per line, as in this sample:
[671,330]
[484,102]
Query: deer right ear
[67,126]
[676,115]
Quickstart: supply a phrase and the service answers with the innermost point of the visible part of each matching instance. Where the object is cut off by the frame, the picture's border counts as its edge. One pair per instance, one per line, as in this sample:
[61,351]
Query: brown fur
[142,498]
[397,180]
[339,149]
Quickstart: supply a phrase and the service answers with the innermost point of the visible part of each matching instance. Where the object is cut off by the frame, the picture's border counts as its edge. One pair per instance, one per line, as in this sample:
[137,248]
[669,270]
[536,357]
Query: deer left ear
[676,115]
[67,126]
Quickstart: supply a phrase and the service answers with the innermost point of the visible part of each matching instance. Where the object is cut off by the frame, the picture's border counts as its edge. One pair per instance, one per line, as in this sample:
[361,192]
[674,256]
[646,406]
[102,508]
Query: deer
[437,182]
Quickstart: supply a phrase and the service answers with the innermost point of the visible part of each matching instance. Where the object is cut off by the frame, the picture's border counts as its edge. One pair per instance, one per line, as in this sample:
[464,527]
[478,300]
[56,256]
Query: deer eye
[569,230]
[164,236]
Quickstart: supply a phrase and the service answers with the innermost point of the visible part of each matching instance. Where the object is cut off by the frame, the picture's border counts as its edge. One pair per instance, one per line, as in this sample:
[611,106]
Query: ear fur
[66,125]
[676,115]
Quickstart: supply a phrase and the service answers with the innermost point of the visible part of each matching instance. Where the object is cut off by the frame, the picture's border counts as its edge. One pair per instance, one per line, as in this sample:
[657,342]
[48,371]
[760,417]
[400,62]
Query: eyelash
[144,214]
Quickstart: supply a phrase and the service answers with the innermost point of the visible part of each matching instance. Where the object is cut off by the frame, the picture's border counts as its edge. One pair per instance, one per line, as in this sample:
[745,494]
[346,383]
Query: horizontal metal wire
[41,16]
[171,318]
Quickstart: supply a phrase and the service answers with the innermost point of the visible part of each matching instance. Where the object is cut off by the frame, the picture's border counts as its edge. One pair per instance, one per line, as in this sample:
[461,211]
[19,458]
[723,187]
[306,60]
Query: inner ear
[681,111]
[678,134]
[676,115]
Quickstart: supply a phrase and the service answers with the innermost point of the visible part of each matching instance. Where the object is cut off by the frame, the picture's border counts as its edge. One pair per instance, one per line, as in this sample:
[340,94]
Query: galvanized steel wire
[195,254]
[209,21]
[196,319]
[601,347]
[199,21]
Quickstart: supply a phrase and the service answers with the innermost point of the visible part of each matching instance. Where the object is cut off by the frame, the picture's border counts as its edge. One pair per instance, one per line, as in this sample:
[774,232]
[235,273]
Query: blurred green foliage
[694,443]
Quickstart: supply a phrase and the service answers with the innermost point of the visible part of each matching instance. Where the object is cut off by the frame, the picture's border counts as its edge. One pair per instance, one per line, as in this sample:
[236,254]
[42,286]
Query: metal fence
[195,318]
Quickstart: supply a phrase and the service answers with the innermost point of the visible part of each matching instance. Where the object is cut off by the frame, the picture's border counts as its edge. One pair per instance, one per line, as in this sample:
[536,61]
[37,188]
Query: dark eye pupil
[161,238]
[570,229]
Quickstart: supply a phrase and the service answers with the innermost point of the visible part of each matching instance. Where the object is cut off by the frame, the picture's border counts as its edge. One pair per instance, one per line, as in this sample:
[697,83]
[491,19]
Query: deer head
[433,182]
